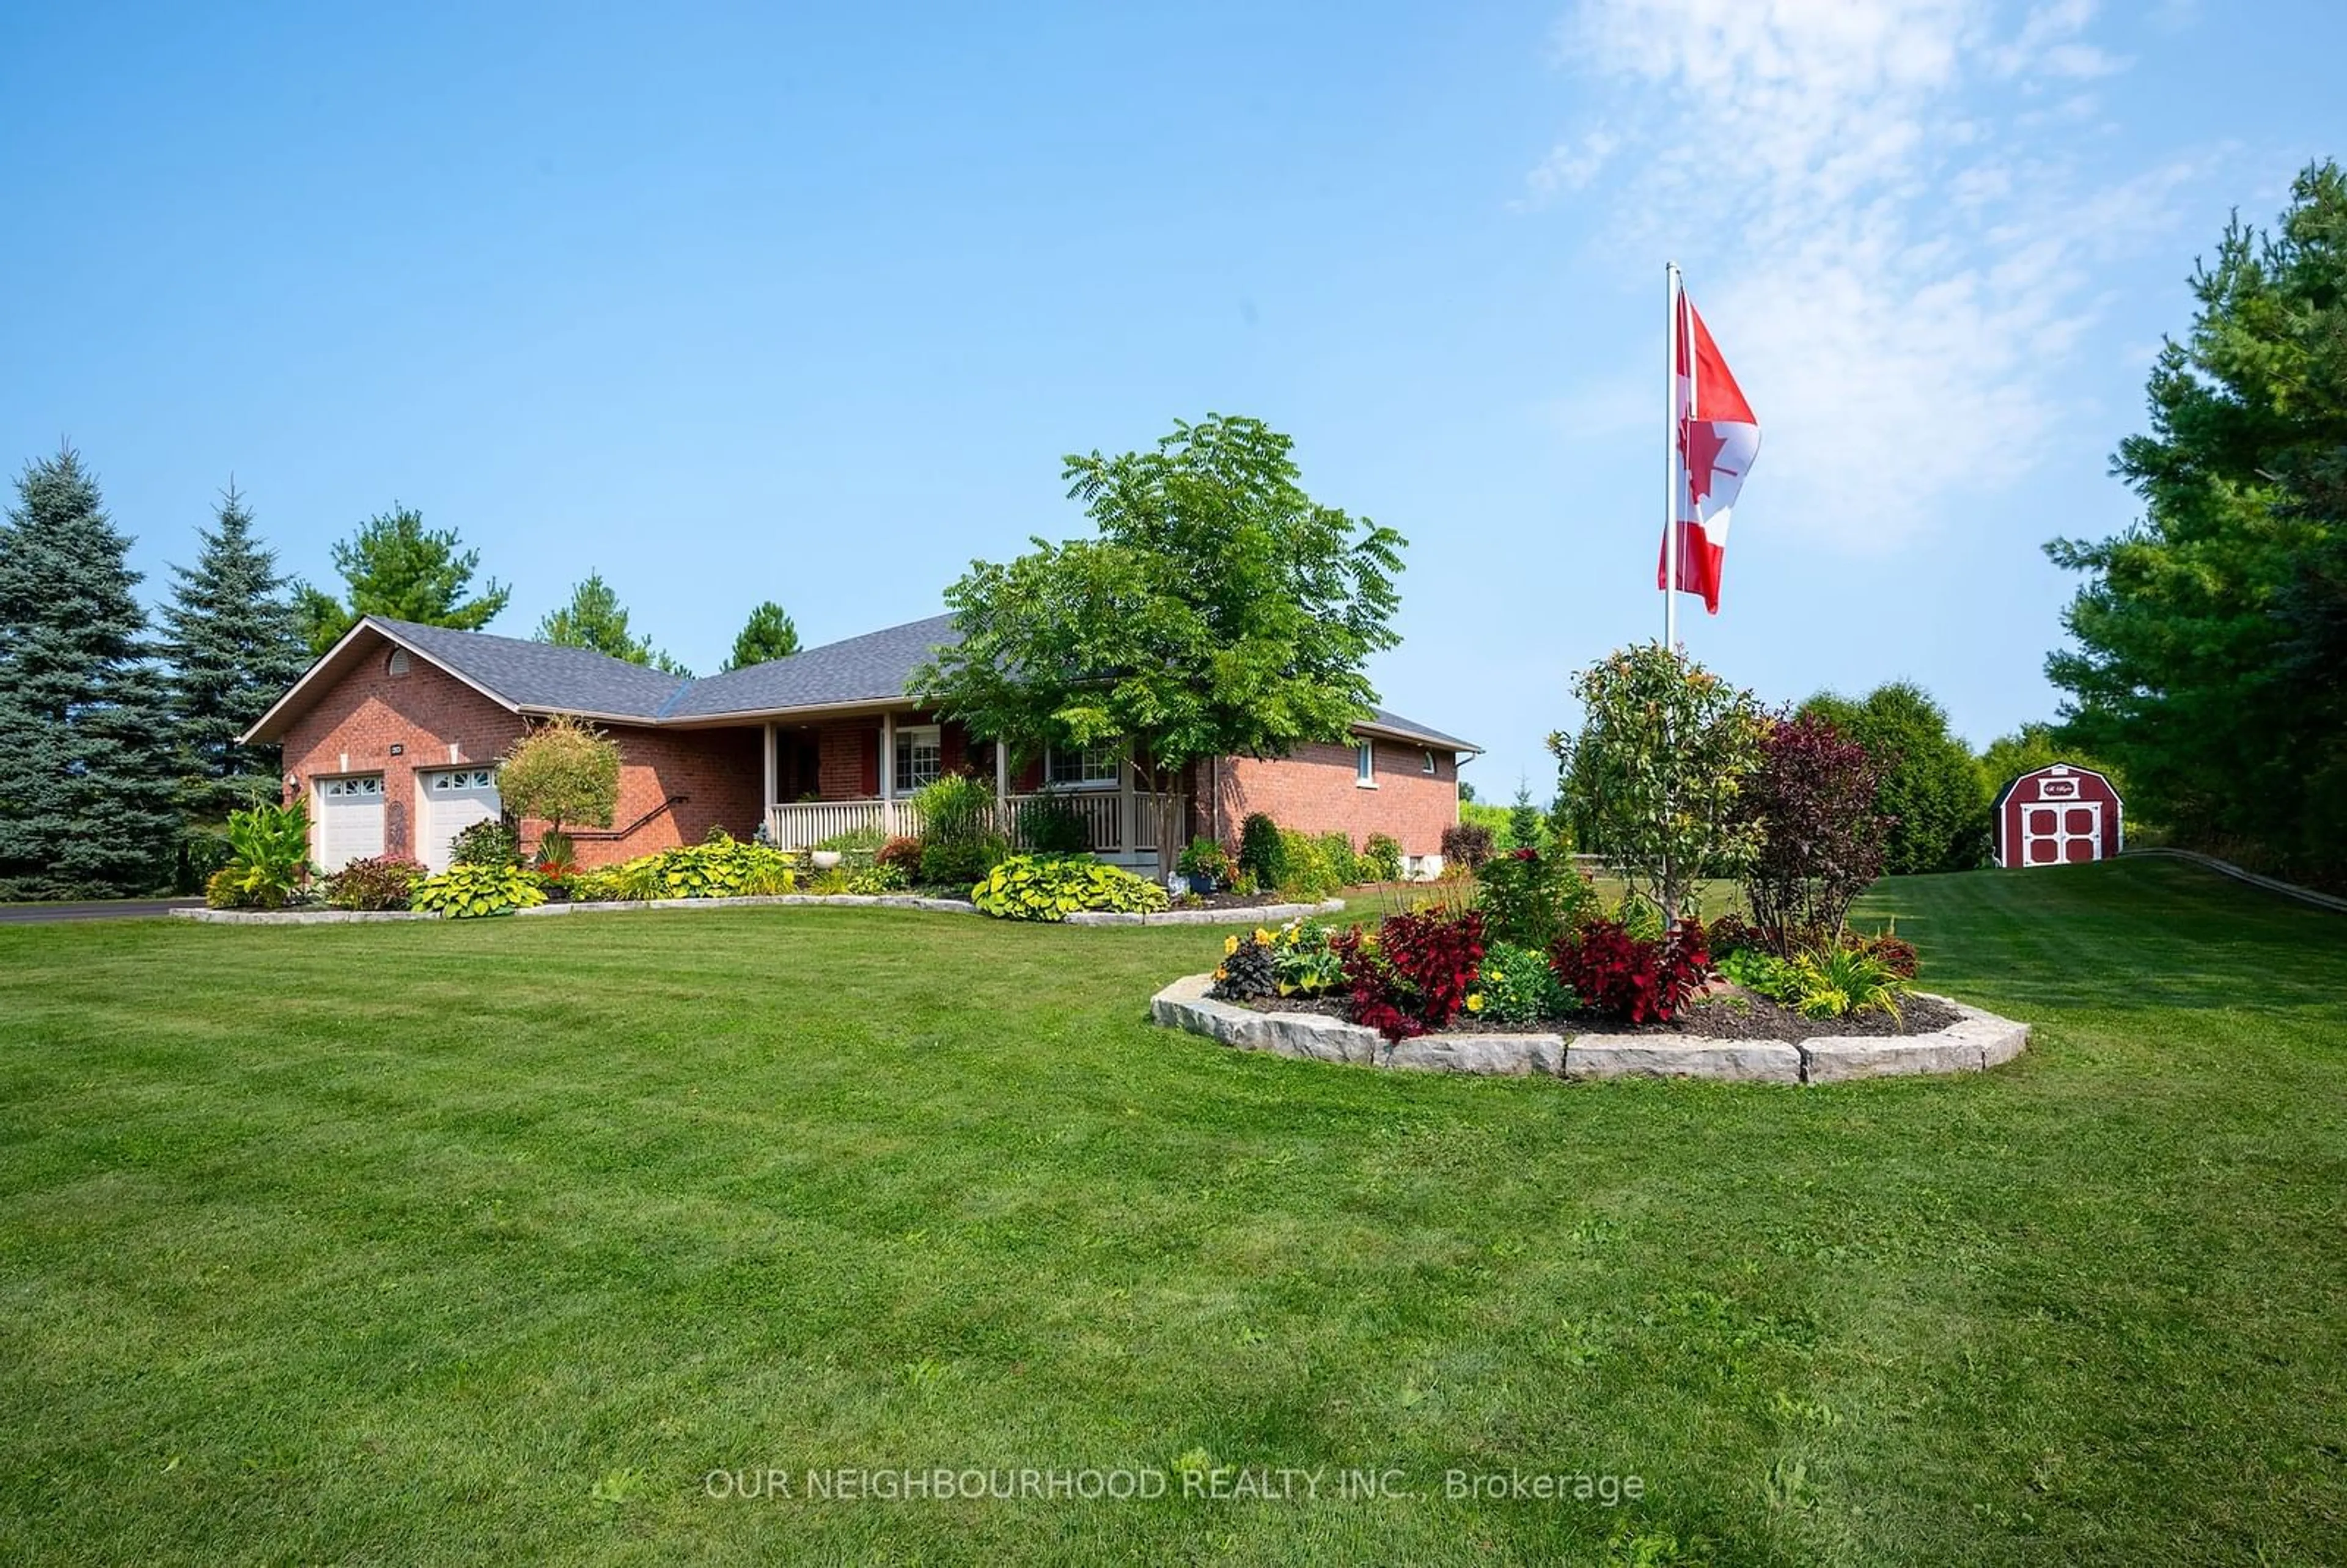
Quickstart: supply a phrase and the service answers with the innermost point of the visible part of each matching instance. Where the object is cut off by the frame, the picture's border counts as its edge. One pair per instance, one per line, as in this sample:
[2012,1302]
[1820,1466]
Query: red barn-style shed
[2058,815]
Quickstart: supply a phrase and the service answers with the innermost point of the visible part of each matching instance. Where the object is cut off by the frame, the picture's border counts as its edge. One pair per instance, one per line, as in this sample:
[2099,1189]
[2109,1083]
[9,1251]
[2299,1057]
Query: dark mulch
[1730,1015]
[1229,900]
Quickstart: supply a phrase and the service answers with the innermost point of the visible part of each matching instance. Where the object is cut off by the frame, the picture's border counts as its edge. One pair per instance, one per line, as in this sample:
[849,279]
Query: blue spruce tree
[85,790]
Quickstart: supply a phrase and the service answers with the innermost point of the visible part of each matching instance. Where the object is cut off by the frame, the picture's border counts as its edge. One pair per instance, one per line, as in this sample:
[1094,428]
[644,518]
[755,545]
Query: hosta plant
[1028,887]
[467,892]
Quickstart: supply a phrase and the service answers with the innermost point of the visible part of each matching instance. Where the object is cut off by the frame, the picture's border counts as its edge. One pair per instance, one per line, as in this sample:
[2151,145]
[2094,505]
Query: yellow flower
[1220,973]
[1230,946]
[1475,1001]
[1496,977]
[1262,935]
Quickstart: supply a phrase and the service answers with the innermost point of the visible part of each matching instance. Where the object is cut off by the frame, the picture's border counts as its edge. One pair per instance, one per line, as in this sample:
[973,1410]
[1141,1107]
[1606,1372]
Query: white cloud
[1894,263]
[1569,166]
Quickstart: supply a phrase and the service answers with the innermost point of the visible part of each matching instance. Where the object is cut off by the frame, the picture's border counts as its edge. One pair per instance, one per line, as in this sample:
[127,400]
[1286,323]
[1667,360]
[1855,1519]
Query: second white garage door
[454,800]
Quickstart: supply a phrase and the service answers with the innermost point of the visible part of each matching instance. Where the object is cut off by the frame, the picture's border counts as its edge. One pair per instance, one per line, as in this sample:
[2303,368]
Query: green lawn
[487,1242]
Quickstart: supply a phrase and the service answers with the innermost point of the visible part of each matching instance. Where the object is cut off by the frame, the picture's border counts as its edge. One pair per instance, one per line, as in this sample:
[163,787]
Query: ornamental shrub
[1307,867]
[1652,778]
[1344,861]
[468,891]
[1051,824]
[1821,838]
[1381,858]
[492,842]
[1467,843]
[1035,888]
[1634,979]
[1261,850]
[1205,860]
[563,770]
[383,882]
[1531,899]
[903,853]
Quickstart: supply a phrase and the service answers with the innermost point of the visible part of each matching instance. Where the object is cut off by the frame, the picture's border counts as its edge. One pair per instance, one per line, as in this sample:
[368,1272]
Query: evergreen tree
[769,634]
[595,619]
[86,799]
[2197,667]
[394,566]
[234,646]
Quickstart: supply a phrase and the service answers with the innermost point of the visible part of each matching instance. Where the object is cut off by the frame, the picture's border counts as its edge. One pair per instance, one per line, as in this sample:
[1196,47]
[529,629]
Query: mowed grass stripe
[390,1244]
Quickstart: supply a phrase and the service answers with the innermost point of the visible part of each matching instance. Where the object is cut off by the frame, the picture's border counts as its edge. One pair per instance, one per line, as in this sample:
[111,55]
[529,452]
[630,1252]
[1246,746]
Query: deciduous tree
[1930,786]
[1219,611]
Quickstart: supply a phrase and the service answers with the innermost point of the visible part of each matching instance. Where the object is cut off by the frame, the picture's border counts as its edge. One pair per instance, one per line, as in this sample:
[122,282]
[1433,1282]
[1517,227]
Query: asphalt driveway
[100,909]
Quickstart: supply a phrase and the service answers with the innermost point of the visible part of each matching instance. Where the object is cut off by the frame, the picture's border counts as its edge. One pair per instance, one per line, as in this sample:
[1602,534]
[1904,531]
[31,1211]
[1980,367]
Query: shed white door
[350,820]
[2059,833]
[454,800]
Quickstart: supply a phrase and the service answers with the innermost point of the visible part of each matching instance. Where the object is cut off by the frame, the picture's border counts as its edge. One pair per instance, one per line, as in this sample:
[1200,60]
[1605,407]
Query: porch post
[1002,823]
[1127,841]
[771,796]
[888,773]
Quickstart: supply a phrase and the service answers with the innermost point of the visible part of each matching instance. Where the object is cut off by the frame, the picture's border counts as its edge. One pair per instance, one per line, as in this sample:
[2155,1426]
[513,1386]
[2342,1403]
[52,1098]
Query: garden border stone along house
[392,738]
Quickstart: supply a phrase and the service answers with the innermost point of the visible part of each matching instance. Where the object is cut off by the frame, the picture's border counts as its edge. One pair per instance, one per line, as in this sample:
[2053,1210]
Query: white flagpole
[1670,454]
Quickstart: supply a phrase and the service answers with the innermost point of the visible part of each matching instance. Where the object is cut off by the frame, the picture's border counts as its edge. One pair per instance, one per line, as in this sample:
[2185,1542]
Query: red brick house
[393,738]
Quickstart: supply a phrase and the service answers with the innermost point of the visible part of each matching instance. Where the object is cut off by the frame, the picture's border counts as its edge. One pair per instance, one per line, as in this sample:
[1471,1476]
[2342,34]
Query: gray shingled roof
[538,674]
[1383,718]
[873,668]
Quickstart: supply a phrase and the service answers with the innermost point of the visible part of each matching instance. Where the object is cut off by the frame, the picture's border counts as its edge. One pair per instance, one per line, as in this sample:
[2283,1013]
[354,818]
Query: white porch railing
[1117,825]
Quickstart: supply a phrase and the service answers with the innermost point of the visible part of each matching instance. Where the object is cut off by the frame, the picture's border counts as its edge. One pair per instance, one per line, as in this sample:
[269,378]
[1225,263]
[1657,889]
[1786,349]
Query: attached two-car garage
[352,822]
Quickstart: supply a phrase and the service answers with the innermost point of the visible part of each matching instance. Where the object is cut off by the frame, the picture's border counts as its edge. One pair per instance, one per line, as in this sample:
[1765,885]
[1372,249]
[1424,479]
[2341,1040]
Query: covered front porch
[857,775]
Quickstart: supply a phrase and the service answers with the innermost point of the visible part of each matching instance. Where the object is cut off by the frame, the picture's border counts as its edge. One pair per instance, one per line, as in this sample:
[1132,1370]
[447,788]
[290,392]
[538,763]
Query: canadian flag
[1719,437]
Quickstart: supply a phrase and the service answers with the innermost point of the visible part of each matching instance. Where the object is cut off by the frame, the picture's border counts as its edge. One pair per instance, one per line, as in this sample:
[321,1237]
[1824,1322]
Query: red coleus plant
[1416,975]
[1634,979]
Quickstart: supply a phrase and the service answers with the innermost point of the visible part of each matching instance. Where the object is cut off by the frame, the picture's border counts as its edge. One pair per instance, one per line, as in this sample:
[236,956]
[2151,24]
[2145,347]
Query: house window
[1080,767]
[463,778]
[921,757]
[1364,764]
[1431,765]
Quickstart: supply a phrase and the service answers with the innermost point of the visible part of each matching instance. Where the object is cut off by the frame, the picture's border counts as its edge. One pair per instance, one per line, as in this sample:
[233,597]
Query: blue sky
[807,302]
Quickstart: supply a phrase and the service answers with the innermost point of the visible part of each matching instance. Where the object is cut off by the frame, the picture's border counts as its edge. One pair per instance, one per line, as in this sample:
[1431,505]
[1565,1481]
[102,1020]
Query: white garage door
[453,801]
[350,820]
